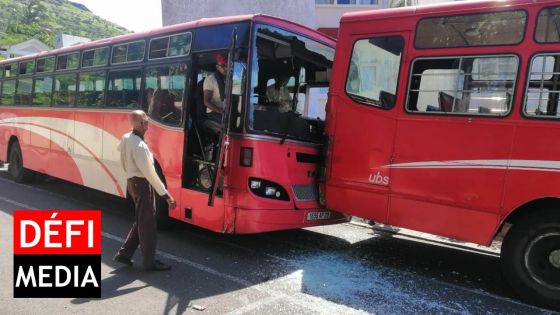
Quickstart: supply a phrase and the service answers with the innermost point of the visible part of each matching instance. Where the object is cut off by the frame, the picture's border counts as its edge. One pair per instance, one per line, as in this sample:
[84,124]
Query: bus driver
[214,90]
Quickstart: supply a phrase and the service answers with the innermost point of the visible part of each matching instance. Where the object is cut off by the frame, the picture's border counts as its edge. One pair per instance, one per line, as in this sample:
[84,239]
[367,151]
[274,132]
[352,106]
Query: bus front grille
[305,192]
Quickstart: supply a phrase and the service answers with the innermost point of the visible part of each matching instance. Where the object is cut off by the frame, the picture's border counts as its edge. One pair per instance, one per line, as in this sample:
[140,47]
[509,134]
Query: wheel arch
[527,209]
[13,139]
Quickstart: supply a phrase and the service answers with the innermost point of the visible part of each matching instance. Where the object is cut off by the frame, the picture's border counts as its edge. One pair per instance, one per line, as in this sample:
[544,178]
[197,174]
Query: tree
[34,11]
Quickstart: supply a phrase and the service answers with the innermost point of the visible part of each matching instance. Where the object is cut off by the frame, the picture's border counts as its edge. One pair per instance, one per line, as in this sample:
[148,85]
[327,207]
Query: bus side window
[24,92]
[124,88]
[8,92]
[164,87]
[542,97]
[91,89]
[64,90]
[374,70]
[42,92]
[463,85]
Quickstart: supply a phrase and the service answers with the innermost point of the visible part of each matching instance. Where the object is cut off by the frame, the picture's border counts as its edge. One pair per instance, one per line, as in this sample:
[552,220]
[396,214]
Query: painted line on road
[21,205]
[314,304]
[253,306]
[50,193]
[306,301]
[185,262]
[92,206]
[299,298]
[278,294]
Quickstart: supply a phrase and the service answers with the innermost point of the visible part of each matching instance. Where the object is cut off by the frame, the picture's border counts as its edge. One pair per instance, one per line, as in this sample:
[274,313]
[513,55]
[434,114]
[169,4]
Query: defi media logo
[57,253]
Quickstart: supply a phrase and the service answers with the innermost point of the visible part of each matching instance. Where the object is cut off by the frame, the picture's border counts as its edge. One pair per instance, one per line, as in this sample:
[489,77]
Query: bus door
[452,145]
[206,141]
[366,127]
[223,141]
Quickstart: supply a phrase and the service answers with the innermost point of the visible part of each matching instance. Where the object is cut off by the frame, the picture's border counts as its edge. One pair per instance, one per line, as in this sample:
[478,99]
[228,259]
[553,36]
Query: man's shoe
[123,260]
[158,266]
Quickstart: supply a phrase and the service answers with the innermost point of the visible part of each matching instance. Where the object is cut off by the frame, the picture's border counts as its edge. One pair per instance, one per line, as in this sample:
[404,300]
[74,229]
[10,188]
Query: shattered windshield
[290,76]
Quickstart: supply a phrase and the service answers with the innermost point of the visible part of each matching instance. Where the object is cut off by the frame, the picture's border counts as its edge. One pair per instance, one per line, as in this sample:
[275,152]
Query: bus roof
[180,27]
[439,8]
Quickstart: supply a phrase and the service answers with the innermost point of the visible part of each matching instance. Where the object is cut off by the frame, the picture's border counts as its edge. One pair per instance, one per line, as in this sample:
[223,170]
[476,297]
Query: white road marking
[300,299]
[22,206]
[253,306]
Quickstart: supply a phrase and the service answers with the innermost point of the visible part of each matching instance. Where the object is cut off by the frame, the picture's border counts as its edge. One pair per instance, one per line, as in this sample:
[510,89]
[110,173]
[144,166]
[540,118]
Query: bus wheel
[15,167]
[162,214]
[531,258]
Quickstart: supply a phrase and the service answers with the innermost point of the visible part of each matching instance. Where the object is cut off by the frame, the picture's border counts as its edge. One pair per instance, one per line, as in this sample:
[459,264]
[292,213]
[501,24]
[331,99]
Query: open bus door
[223,138]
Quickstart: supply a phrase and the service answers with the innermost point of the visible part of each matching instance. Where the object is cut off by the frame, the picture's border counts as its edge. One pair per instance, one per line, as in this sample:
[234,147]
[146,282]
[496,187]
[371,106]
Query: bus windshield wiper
[364,99]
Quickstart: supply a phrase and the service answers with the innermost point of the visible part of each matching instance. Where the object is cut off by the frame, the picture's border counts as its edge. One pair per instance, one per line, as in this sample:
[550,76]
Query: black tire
[531,258]
[15,167]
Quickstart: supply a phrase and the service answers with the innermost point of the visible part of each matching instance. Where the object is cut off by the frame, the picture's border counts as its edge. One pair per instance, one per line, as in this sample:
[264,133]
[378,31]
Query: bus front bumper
[249,221]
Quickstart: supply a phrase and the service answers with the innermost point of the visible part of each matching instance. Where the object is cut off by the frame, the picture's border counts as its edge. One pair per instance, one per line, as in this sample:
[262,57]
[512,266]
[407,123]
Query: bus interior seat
[387,99]
[432,108]
[445,102]
[484,110]
[162,104]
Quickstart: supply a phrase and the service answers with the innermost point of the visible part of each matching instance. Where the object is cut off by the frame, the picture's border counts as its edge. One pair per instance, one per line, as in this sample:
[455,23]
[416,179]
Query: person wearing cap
[142,179]
[214,90]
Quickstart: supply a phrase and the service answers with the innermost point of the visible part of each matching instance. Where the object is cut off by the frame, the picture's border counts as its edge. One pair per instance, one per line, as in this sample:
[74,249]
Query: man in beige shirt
[142,180]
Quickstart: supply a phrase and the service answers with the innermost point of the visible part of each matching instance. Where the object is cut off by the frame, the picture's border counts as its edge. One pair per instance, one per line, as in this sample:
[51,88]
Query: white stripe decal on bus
[529,165]
[99,169]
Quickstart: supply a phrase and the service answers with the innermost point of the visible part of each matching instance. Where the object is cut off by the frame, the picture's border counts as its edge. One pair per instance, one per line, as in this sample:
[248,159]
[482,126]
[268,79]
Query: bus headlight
[255,184]
[267,189]
[270,191]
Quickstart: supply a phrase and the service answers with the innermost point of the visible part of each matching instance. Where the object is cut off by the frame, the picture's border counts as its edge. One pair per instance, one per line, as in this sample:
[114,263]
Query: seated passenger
[148,95]
[277,93]
[161,105]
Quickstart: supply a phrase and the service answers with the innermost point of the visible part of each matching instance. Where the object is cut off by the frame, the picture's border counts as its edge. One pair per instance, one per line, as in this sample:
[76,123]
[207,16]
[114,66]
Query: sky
[135,15]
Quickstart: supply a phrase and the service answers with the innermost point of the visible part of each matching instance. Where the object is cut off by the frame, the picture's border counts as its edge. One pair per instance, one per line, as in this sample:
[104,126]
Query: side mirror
[238,78]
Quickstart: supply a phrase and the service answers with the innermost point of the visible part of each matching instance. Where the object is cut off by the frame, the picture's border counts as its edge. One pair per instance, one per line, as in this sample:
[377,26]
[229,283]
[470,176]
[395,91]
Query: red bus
[62,113]
[443,119]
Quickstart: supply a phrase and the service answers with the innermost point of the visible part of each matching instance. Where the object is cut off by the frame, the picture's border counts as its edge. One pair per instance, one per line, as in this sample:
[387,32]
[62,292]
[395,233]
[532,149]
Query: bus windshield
[289,83]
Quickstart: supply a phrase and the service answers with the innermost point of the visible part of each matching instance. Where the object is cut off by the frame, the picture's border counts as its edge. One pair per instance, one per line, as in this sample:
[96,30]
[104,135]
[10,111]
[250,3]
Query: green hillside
[43,19]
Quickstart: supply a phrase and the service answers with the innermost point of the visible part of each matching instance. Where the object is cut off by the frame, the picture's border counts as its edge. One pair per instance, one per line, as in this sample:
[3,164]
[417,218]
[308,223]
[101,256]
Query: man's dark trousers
[143,231]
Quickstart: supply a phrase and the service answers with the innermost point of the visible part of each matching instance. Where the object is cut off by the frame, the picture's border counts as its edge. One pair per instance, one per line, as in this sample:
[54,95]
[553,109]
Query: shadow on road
[378,273]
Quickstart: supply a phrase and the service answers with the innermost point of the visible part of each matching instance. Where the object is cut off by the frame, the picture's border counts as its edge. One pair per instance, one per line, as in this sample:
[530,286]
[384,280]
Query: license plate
[318,215]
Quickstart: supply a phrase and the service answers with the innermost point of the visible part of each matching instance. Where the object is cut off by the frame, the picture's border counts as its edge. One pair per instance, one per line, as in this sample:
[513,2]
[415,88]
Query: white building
[329,12]
[28,47]
[178,11]
[65,40]
[323,15]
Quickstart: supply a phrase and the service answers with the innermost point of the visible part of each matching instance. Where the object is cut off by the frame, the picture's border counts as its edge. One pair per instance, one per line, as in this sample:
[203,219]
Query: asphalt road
[341,269]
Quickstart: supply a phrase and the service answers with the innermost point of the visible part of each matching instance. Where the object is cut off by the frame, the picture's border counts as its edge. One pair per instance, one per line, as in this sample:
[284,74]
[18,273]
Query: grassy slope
[63,17]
